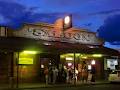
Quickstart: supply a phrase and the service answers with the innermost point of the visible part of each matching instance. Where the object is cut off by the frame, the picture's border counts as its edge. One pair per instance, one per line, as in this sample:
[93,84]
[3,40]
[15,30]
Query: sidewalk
[39,85]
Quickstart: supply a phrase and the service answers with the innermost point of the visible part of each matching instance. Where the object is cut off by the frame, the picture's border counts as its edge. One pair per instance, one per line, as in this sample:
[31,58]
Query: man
[46,75]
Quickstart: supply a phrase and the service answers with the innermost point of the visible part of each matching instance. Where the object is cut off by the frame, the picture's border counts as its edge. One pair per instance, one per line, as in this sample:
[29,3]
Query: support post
[12,71]
[17,63]
[74,71]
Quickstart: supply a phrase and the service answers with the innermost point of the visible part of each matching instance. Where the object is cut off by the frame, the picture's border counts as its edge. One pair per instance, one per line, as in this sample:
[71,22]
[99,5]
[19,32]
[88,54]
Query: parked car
[114,76]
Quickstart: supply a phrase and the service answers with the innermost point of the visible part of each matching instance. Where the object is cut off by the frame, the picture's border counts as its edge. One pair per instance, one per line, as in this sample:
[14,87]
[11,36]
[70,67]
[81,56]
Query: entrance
[68,67]
[33,71]
[81,65]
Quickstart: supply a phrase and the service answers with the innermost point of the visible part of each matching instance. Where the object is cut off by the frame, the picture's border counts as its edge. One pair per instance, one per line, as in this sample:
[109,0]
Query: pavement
[42,85]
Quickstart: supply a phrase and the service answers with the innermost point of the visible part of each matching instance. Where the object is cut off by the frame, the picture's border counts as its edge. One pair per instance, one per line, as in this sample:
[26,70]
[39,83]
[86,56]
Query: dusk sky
[101,16]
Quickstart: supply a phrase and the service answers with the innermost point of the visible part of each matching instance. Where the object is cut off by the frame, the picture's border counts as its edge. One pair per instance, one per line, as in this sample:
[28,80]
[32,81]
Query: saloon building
[26,52]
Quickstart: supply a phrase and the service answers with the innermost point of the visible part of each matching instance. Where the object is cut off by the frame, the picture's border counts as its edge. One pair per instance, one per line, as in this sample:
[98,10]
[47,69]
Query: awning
[14,44]
[80,48]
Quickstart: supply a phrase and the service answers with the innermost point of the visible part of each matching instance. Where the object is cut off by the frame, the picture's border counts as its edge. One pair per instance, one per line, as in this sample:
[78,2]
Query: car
[114,76]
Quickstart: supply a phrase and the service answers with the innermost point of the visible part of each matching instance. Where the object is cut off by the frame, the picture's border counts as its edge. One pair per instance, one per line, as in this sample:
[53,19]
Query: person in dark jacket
[93,71]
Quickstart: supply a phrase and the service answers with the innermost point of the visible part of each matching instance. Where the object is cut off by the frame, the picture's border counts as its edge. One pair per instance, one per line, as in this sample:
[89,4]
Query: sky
[100,16]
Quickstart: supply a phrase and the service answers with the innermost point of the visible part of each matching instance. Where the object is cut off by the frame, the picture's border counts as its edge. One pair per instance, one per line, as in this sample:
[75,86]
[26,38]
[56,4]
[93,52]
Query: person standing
[50,75]
[46,75]
[84,72]
[55,74]
[93,71]
[70,73]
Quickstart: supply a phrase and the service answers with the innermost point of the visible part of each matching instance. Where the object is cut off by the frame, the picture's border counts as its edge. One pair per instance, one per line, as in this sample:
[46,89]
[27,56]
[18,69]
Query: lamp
[67,22]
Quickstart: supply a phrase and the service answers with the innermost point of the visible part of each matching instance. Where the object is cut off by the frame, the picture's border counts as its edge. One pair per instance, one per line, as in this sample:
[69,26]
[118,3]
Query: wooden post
[74,71]
[17,63]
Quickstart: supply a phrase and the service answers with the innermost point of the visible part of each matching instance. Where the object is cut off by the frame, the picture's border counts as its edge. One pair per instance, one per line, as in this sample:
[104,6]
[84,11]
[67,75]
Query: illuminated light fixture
[77,54]
[50,63]
[69,64]
[62,56]
[67,19]
[67,22]
[47,43]
[25,61]
[93,62]
[69,58]
[97,55]
[81,55]
[84,57]
[91,46]
[29,52]
[69,54]
[89,67]
[42,66]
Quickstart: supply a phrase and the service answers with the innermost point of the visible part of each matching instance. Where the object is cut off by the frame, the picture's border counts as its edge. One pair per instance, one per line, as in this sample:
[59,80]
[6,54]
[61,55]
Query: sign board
[44,33]
[25,61]
[111,63]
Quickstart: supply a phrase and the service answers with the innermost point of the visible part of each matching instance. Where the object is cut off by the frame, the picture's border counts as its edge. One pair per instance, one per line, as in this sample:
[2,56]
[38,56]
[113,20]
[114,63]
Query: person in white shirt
[55,74]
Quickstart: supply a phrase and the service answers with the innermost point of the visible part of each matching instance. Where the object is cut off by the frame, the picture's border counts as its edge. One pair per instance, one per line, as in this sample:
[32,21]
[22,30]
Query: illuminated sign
[26,57]
[82,37]
[25,61]
[111,63]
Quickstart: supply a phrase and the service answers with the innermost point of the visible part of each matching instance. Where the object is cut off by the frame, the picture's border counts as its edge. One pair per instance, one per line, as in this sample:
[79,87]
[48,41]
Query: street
[84,87]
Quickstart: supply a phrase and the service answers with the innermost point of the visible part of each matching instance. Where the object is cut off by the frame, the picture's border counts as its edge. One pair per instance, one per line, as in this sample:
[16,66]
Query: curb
[53,86]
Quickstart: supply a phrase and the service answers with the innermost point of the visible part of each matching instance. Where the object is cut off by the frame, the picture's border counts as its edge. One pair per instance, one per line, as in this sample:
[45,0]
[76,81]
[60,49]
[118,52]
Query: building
[25,53]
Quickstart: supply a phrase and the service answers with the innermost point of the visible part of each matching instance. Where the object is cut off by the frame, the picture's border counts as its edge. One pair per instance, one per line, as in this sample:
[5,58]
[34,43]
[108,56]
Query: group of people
[51,75]
[54,75]
[86,75]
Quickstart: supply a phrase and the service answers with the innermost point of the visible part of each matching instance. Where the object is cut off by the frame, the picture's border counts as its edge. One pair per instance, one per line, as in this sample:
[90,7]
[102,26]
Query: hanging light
[69,64]
[69,58]
[93,62]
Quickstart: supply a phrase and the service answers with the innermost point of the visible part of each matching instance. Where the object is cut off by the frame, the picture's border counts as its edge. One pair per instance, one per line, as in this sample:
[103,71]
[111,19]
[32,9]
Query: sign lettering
[52,35]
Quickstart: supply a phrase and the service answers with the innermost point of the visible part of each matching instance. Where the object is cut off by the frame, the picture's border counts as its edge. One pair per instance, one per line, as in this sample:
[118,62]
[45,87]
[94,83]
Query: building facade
[27,52]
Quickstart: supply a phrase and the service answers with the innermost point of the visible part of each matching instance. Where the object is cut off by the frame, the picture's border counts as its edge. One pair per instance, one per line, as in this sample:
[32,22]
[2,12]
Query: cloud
[65,2]
[110,30]
[9,0]
[117,47]
[2,20]
[105,12]
[11,12]
[14,14]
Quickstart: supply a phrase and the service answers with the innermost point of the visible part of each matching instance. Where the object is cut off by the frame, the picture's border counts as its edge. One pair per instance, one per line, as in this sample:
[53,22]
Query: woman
[84,72]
